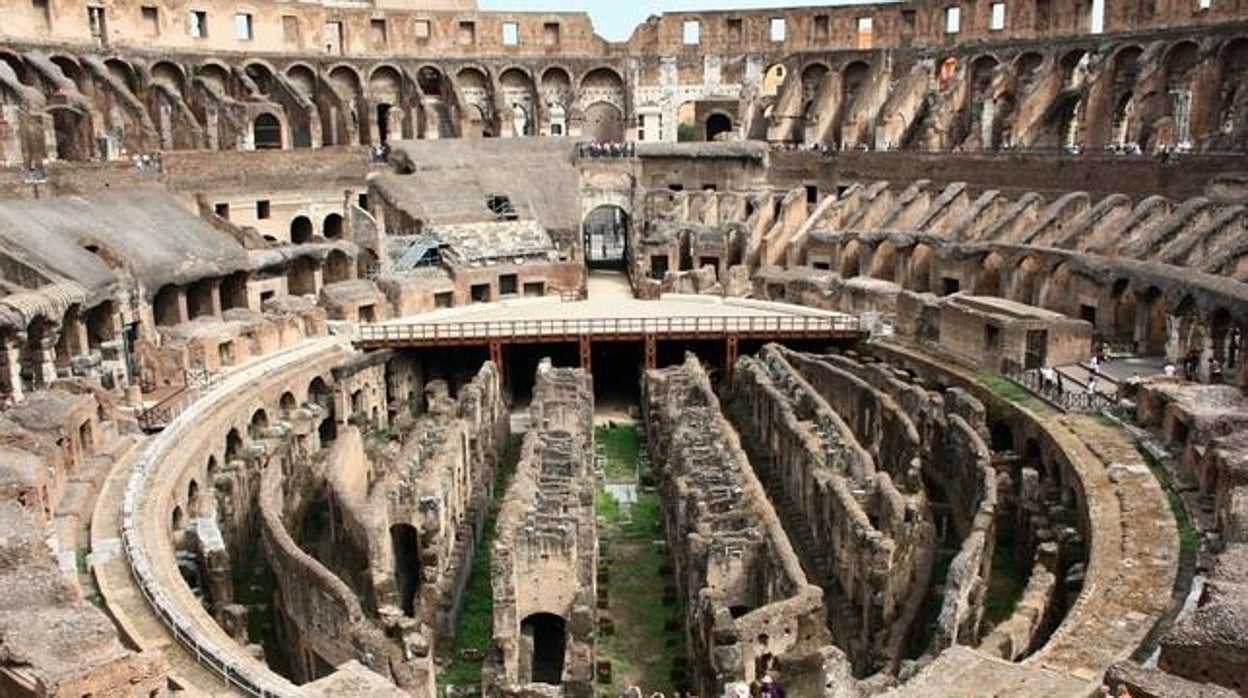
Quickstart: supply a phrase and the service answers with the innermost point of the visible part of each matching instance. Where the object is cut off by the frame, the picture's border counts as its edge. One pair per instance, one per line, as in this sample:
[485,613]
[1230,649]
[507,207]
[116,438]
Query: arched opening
[603,90]
[73,134]
[920,272]
[1182,63]
[233,446]
[319,394]
[301,230]
[234,291]
[287,403]
[773,79]
[301,279]
[341,124]
[258,425]
[166,307]
[1151,330]
[1123,302]
[211,470]
[367,265]
[853,81]
[850,262]
[518,96]
[988,282]
[1002,436]
[884,262]
[337,267]
[200,300]
[192,491]
[604,123]
[332,227]
[266,132]
[606,232]
[1026,281]
[405,544]
[718,127]
[1027,69]
[176,519]
[557,95]
[546,634]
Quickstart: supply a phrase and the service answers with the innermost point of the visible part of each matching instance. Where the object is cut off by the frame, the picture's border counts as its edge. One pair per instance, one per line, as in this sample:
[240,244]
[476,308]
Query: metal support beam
[587,353]
[652,352]
[496,356]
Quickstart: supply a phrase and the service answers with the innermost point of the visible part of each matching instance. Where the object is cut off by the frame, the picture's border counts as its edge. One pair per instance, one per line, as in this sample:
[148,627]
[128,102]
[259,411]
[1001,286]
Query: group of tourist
[381,153]
[609,149]
[765,687]
[148,164]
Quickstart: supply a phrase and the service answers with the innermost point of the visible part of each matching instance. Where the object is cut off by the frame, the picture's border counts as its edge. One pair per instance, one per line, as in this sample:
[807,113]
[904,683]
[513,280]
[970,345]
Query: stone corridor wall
[748,601]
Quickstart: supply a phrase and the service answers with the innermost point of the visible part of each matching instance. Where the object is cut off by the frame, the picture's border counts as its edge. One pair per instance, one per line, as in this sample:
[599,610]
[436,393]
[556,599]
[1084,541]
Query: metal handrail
[505,329]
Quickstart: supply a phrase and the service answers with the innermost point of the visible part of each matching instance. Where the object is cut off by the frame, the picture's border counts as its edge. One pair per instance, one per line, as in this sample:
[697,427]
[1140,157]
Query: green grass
[1189,537]
[475,628]
[621,445]
[1009,390]
[642,647]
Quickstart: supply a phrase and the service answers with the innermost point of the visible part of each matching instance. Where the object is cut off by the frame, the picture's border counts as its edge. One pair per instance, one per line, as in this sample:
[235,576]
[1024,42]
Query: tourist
[1048,379]
[1169,370]
[1091,386]
[1215,370]
[771,689]
[1191,364]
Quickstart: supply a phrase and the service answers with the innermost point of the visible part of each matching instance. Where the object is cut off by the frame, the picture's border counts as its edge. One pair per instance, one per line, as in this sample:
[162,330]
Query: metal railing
[1067,393]
[206,651]
[163,413]
[606,327]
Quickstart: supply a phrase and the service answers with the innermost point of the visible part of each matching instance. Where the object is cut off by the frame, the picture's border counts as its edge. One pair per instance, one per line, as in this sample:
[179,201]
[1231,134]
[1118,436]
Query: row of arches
[1161,94]
[104,108]
[1133,311]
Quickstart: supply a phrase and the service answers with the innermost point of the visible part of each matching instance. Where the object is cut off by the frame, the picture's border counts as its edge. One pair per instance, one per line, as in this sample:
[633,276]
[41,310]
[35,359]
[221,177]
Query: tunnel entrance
[547,637]
[606,238]
[405,544]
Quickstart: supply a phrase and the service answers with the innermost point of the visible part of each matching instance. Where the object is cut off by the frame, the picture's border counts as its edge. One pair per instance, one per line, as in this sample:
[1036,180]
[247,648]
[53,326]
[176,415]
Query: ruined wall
[956,471]
[871,518]
[324,613]
[545,559]
[747,599]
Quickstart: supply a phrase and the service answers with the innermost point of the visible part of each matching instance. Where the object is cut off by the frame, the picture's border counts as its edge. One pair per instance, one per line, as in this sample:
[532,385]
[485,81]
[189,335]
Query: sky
[615,20]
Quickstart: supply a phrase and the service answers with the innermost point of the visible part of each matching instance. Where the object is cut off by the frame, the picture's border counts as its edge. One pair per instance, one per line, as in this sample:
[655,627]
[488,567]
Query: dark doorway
[405,543]
[717,124]
[383,122]
[267,133]
[549,642]
[1037,349]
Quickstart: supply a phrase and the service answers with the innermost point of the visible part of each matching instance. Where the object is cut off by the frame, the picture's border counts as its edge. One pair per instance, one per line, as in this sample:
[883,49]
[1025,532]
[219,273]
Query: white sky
[615,20]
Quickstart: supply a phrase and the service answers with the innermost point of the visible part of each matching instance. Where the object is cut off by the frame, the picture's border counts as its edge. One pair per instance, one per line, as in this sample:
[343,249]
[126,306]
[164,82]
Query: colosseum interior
[398,347]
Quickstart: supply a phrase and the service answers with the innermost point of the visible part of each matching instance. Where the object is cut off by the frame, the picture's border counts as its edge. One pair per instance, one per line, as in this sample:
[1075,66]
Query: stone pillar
[44,358]
[11,368]
[184,313]
[214,295]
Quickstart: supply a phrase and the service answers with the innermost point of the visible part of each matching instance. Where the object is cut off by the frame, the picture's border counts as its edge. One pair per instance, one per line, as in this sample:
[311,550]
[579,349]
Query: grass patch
[1005,388]
[648,632]
[475,627]
[1189,536]
[621,446]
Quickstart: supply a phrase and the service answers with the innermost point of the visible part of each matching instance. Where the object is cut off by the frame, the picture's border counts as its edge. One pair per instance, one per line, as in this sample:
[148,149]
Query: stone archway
[266,132]
[605,233]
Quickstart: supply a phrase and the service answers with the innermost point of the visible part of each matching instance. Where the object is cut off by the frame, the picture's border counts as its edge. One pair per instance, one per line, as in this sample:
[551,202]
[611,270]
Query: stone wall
[545,559]
[748,602]
[832,458]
